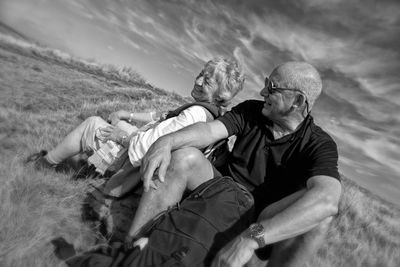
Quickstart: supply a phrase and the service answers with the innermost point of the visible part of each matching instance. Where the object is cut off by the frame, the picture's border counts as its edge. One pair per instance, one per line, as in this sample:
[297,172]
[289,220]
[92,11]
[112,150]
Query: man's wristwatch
[256,232]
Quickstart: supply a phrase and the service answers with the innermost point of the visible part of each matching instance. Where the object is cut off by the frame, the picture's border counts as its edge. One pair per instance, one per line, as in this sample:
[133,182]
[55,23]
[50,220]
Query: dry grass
[44,94]
[41,100]
[366,232]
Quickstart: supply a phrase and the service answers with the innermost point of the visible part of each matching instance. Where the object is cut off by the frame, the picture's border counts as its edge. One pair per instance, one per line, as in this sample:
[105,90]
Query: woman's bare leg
[71,145]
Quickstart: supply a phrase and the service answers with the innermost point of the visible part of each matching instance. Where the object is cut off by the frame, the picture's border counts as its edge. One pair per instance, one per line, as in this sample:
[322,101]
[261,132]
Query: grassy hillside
[45,93]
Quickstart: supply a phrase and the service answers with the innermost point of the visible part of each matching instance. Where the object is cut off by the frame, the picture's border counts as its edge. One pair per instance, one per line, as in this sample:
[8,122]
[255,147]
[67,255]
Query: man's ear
[299,101]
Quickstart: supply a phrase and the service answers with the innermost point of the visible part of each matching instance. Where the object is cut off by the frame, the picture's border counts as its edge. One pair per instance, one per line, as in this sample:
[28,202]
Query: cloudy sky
[355,45]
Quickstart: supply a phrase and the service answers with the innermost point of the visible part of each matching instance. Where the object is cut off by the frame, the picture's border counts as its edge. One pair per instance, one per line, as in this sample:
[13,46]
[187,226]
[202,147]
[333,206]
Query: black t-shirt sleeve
[234,120]
[322,159]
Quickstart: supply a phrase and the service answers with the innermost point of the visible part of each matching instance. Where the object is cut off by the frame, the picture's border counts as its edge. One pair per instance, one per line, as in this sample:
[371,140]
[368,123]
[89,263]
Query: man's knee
[187,158]
[190,164]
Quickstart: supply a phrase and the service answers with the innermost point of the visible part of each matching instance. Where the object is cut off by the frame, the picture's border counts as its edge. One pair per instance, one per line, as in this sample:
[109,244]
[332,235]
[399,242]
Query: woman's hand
[113,133]
[116,116]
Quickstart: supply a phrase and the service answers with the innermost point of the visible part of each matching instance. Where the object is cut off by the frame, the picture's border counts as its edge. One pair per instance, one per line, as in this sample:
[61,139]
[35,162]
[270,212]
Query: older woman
[219,81]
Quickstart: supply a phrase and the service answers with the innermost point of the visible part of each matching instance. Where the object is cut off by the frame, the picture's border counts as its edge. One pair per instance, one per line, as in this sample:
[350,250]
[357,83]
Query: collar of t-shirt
[300,132]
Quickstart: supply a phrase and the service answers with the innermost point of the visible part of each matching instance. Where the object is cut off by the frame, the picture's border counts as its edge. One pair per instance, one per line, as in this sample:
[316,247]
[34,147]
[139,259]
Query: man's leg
[295,251]
[188,169]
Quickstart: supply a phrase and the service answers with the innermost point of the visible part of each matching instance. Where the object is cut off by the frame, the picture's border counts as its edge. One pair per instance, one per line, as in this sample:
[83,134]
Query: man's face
[204,87]
[278,102]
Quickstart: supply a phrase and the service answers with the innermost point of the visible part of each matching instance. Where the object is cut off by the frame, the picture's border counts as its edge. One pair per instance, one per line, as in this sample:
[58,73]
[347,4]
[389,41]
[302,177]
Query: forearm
[287,218]
[198,135]
[309,210]
[141,116]
[138,116]
[158,156]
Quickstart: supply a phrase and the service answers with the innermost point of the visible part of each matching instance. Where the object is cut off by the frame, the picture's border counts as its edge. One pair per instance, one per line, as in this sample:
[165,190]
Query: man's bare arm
[304,211]
[319,201]
[158,156]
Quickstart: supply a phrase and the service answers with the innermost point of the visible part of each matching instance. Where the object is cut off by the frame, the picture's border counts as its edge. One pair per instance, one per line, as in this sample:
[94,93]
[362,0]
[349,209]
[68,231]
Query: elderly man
[287,162]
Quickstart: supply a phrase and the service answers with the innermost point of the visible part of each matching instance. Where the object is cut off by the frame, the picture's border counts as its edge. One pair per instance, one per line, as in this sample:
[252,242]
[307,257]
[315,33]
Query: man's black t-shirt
[273,169]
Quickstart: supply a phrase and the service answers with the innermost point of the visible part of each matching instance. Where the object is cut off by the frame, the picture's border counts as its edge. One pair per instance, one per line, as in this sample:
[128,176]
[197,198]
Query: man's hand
[113,133]
[116,116]
[236,253]
[156,162]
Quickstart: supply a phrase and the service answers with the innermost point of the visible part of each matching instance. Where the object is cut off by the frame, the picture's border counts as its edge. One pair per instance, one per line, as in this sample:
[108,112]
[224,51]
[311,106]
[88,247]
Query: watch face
[257,233]
[256,230]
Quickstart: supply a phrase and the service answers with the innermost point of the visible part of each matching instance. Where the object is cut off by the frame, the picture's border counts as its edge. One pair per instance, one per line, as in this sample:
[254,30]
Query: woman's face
[204,87]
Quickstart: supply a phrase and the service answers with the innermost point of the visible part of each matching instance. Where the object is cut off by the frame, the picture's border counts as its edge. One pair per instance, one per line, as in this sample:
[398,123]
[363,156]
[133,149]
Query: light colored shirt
[140,143]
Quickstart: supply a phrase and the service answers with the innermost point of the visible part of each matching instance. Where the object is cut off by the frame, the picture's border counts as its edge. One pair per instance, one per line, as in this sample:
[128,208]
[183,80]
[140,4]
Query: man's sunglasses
[272,89]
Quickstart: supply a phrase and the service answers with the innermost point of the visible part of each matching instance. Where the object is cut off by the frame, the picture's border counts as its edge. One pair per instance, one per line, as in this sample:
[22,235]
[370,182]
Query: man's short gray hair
[304,77]
[229,77]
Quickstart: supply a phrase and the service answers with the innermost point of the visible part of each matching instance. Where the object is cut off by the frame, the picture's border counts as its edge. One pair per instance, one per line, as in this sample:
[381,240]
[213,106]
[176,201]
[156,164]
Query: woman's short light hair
[228,77]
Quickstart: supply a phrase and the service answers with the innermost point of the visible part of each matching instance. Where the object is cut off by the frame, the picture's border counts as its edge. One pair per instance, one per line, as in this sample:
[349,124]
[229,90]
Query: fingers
[162,170]
[155,163]
[153,184]
[147,184]
[151,174]
[147,175]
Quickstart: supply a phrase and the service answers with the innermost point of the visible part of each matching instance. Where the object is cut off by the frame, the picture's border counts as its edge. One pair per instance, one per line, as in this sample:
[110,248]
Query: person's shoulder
[195,108]
[201,112]
[251,104]
[320,135]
